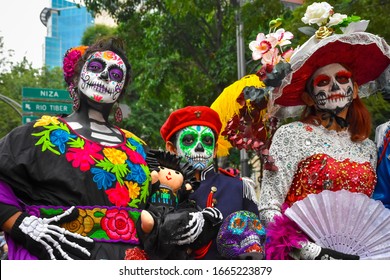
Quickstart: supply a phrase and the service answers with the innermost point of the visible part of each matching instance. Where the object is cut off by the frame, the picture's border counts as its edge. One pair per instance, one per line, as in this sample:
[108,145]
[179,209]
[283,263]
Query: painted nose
[199,148]
[335,86]
[104,75]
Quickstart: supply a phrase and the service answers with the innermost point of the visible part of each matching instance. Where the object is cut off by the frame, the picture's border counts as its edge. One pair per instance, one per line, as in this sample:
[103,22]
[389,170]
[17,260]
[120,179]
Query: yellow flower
[133,189]
[115,156]
[108,55]
[82,225]
[129,134]
[46,120]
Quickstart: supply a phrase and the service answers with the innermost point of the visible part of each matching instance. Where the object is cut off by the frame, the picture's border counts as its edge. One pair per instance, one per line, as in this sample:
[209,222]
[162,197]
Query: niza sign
[45,93]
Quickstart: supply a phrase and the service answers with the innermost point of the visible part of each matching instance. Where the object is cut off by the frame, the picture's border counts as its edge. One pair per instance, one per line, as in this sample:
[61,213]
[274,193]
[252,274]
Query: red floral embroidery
[84,157]
[118,225]
[118,195]
[308,128]
[134,156]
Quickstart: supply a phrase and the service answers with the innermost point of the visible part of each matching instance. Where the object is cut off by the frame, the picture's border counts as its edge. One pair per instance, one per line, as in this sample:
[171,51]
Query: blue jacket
[232,195]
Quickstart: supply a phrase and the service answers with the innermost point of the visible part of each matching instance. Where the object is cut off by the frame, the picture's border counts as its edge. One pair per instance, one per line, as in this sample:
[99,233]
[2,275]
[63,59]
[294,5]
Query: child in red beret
[191,133]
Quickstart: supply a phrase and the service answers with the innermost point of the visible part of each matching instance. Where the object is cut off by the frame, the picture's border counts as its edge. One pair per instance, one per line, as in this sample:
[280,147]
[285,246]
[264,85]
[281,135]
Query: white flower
[317,13]
[336,19]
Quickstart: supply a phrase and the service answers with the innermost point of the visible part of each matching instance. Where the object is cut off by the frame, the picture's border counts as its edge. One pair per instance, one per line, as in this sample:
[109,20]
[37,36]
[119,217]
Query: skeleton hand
[312,251]
[43,238]
[188,233]
[193,229]
[213,215]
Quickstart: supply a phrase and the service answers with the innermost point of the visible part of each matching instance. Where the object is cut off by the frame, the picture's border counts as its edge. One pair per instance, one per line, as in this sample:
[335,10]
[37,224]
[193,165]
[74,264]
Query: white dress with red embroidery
[310,159]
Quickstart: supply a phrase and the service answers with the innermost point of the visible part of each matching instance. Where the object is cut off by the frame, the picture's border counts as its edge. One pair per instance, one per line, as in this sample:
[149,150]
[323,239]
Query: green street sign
[27,119]
[45,93]
[47,107]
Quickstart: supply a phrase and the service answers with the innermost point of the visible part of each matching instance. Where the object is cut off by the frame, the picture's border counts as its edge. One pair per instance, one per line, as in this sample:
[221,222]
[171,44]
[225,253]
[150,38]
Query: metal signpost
[44,101]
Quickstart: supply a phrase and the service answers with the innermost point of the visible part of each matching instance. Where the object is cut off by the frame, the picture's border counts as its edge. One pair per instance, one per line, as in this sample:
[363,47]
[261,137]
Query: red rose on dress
[118,225]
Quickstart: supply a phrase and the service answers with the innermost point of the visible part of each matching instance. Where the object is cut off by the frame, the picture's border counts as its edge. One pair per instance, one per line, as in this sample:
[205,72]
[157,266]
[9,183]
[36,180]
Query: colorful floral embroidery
[103,224]
[118,195]
[118,225]
[120,171]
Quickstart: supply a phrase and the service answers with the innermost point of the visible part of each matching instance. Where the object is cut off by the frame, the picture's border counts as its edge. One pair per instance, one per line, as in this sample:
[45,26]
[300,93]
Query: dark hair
[113,44]
[156,158]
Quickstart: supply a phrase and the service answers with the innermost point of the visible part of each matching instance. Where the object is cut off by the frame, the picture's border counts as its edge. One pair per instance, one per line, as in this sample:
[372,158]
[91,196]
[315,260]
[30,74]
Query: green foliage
[376,11]
[379,109]
[182,53]
[20,75]
[94,32]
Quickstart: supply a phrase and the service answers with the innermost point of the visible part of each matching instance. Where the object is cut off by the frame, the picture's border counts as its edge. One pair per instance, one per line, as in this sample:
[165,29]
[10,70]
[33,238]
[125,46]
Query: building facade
[65,23]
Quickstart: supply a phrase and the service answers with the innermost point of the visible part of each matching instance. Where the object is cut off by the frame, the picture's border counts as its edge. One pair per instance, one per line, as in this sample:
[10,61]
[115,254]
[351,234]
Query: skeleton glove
[45,239]
[329,254]
[195,226]
[312,251]
[190,231]
[213,215]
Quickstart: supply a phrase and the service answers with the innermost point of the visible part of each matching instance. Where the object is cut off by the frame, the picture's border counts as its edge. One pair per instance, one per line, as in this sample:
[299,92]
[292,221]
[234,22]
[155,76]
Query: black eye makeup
[188,140]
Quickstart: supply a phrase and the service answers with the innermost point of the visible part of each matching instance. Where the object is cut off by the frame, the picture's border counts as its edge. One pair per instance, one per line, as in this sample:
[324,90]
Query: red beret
[189,116]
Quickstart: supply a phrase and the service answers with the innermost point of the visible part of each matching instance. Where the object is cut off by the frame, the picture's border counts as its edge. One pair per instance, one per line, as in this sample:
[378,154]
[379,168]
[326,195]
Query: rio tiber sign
[39,101]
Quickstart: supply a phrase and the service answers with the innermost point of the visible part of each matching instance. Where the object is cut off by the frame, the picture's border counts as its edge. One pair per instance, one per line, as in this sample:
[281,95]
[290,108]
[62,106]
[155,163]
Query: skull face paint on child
[332,88]
[103,77]
[196,145]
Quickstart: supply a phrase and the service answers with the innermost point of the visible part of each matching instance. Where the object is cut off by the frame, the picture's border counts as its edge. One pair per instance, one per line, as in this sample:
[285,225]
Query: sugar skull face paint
[103,77]
[196,145]
[241,232]
[332,88]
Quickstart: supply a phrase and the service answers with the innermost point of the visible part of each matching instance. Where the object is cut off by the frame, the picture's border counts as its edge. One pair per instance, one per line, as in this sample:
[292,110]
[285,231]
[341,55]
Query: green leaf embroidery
[134,203]
[76,143]
[100,234]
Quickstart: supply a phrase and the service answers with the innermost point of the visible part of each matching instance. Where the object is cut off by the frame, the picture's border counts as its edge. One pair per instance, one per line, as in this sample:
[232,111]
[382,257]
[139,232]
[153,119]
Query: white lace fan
[351,223]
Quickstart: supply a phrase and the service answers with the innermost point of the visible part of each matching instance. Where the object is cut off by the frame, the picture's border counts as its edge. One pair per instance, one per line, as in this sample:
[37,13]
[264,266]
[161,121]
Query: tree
[22,74]
[183,52]
[94,32]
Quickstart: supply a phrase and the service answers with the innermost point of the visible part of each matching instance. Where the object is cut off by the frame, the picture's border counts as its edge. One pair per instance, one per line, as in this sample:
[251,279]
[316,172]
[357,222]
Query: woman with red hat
[328,148]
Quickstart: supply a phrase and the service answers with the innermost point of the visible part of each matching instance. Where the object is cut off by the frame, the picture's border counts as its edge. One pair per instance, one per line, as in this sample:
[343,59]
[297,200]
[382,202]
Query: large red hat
[366,55]
[189,116]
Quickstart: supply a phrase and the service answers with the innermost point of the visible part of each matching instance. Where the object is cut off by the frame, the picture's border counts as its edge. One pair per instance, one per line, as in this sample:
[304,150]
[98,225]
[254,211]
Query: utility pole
[241,73]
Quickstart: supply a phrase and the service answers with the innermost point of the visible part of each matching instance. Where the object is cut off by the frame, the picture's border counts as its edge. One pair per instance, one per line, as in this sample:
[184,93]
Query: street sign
[45,93]
[47,107]
[27,119]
